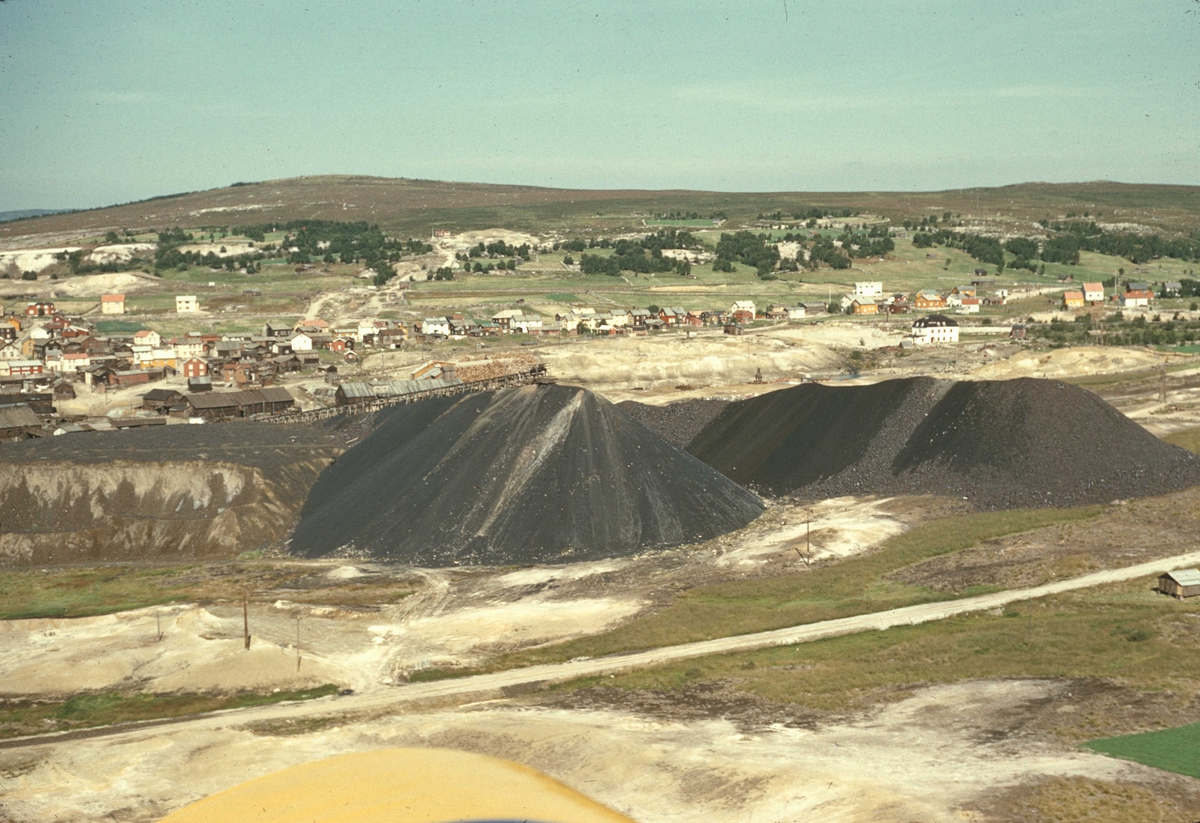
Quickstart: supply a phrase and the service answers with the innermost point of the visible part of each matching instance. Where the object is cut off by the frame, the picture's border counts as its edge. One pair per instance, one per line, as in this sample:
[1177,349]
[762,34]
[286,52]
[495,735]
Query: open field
[1175,750]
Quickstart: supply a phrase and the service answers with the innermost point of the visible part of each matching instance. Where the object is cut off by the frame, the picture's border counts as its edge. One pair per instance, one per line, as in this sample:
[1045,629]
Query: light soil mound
[1000,444]
[392,785]
[536,474]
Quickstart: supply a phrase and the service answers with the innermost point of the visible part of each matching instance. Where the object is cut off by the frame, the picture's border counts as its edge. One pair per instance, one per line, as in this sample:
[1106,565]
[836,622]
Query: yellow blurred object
[399,786]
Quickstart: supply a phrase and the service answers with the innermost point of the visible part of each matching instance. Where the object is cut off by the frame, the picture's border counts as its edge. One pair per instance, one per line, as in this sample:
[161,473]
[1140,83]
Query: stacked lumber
[494,367]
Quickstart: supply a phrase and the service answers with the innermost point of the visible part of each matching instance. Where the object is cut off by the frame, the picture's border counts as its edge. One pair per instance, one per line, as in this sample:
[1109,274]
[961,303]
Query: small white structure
[301,342]
[1093,292]
[868,288]
[186,304]
[934,329]
[112,304]
[969,305]
[435,325]
[795,312]
[147,337]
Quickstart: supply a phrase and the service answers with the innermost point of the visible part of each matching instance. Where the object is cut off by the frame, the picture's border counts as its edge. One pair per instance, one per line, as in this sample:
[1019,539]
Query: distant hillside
[416,207]
[6,216]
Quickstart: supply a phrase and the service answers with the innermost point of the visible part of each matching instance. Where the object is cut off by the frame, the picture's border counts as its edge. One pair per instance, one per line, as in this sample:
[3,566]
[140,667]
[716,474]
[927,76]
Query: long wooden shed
[1180,583]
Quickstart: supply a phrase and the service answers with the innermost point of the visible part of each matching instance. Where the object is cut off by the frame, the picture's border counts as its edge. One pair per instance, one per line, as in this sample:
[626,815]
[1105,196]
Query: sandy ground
[1072,362]
[454,618]
[707,359]
[931,757]
[32,259]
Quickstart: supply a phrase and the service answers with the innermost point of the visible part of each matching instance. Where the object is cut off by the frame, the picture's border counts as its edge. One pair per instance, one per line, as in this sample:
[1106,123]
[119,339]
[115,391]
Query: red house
[195,368]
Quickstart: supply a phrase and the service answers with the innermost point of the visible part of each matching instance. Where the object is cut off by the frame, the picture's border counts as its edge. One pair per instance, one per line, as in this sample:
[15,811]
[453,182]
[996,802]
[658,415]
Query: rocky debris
[678,422]
[998,444]
[535,474]
[166,492]
[494,367]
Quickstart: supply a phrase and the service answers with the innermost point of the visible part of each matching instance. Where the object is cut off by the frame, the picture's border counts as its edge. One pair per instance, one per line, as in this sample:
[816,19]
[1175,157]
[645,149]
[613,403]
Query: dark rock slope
[1000,444]
[534,474]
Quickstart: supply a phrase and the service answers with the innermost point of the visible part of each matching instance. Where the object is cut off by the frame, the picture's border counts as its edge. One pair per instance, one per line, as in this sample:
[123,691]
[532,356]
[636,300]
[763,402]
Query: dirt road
[517,679]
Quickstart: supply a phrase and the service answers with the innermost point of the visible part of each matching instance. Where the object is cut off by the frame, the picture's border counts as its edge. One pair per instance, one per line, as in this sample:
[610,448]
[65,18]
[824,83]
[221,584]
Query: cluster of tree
[872,243]
[501,265]
[983,249]
[824,251]
[689,215]
[629,255]
[168,255]
[1118,332]
[814,213]
[661,239]
[498,248]
[930,221]
[749,249]
[443,273]
[335,241]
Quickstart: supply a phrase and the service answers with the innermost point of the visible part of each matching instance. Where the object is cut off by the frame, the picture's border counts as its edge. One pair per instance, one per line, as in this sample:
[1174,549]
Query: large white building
[186,304]
[934,329]
[868,288]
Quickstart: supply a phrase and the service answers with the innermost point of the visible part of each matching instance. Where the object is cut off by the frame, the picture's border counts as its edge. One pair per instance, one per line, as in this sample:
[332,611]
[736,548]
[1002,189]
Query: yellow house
[1073,300]
[867,307]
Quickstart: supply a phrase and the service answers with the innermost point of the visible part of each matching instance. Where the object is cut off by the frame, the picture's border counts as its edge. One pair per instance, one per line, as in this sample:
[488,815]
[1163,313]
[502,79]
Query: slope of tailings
[680,421]
[1000,444]
[163,492]
[526,475]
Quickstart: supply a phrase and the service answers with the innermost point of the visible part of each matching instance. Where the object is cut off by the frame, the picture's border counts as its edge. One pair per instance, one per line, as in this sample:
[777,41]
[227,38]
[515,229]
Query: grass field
[1188,439]
[1173,750]
[84,592]
[855,586]
[20,717]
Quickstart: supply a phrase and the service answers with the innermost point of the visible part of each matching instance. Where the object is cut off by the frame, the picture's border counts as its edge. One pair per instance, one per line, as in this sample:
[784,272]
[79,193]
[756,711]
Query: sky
[109,101]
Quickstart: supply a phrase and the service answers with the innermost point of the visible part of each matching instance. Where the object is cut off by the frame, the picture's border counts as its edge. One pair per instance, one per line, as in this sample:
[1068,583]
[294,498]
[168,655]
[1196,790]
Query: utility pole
[246,618]
[297,642]
[158,623]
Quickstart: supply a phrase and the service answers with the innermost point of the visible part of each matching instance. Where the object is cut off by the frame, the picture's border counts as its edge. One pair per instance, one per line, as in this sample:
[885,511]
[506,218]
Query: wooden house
[1180,583]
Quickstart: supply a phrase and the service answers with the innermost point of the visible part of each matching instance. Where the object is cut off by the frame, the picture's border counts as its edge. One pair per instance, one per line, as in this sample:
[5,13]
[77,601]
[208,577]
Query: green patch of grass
[563,298]
[18,717]
[117,326]
[855,586]
[28,593]
[1173,750]
[1119,632]
[1188,439]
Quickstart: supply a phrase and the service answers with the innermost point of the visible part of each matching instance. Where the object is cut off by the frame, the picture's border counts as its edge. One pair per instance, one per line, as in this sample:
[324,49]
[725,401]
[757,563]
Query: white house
[795,312]
[1093,292]
[435,325]
[112,304]
[1136,299]
[868,288]
[934,329]
[186,304]
[969,305]
[189,347]
[301,342]
[147,337]
[954,299]
[743,311]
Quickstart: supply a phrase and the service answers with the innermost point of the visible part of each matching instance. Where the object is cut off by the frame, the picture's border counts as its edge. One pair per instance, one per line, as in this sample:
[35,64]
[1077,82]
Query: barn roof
[17,416]
[1185,577]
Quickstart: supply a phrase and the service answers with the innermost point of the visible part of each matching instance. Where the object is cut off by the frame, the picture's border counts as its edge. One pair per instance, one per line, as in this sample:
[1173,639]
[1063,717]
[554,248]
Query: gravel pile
[535,474]
[999,444]
[678,422]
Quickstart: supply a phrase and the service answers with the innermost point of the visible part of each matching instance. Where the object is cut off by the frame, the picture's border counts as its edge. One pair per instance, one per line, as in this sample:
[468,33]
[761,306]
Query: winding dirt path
[532,676]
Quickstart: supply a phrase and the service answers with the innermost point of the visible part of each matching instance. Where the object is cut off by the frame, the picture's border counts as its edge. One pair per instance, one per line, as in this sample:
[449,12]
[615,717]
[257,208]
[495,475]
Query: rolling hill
[406,206]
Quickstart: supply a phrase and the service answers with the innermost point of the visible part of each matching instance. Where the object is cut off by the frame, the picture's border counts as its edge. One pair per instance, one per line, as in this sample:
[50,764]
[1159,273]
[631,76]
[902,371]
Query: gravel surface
[536,474]
[999,444]
[678,422]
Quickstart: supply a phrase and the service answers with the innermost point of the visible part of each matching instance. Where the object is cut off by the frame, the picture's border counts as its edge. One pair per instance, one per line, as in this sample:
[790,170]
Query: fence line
[537,374]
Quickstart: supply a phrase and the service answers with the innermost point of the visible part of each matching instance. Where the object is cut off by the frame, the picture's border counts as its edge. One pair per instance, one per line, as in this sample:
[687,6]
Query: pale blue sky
[104,101]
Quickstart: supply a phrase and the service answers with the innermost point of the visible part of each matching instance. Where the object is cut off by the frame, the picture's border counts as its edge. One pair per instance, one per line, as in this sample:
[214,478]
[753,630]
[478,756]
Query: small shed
[1180,583]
